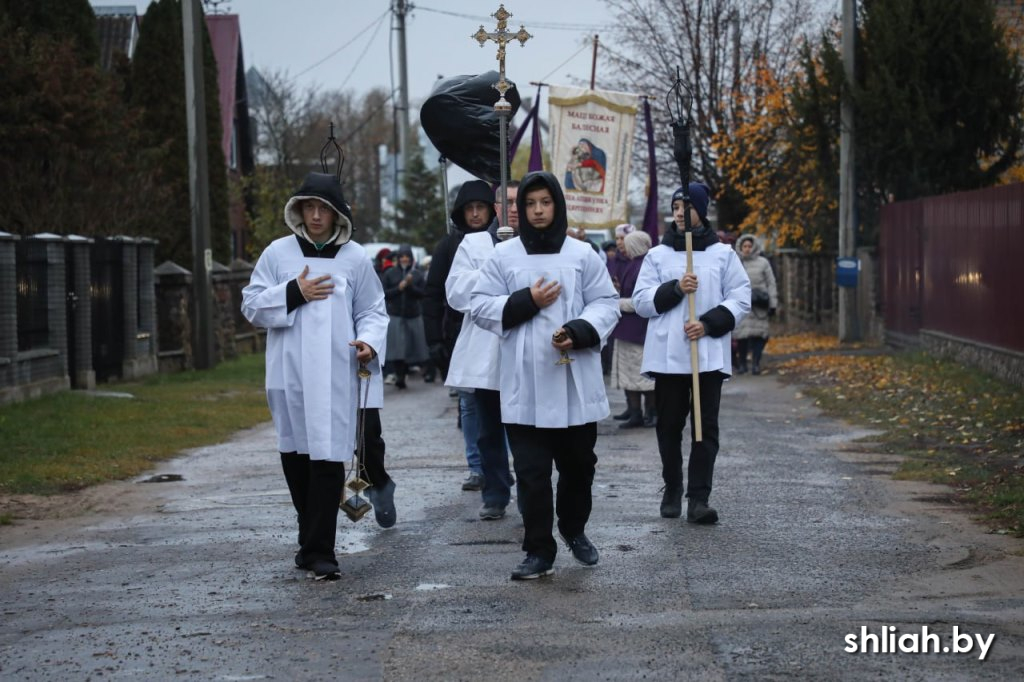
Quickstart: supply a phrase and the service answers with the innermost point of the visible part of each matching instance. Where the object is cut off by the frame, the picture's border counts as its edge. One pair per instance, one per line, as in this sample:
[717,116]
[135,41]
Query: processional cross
[501,36]
[502,107]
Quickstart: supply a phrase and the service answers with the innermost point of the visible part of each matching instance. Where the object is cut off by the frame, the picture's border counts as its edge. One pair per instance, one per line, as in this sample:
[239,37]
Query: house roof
[226,37]
[117,28]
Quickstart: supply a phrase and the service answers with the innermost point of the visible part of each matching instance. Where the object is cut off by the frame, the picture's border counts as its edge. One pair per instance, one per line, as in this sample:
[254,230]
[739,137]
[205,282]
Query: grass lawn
[72,439]
[953,424]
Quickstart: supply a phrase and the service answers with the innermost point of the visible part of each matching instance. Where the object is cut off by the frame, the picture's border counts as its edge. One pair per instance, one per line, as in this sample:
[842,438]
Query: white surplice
[312,387]
[721,280]
[535,390]
[474,362]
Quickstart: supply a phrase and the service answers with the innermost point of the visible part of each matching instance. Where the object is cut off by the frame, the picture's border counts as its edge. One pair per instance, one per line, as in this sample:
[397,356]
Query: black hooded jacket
[442,323]
[549,240]
[520,306]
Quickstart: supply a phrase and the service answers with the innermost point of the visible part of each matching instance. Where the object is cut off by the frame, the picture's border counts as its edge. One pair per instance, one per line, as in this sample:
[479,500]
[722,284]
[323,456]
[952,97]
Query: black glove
[771,312]
[438,353]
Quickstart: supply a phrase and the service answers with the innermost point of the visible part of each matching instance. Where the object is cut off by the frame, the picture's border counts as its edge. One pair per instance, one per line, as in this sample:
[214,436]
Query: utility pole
[849,328]
[199,186]
[402,110]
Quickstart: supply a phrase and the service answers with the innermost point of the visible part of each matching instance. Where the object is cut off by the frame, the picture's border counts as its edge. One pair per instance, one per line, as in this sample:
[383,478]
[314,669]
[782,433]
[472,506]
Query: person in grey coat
[752,333]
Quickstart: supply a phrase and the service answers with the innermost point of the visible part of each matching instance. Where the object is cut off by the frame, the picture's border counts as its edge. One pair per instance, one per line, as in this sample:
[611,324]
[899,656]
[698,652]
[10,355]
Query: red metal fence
[948,265]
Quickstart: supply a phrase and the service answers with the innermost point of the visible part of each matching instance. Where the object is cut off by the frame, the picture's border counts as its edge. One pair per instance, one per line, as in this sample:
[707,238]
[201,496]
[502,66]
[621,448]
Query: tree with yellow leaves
[771,160]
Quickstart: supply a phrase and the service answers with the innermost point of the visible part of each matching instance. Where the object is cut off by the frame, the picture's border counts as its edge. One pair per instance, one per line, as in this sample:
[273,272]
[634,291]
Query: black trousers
[373,449]
[672,397]
[572,452]
[316,489]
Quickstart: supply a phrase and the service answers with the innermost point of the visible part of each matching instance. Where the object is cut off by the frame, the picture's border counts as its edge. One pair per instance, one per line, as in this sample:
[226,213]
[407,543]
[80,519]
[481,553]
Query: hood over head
[755,252]
[404,250]
[474,190]
[326,188]
[549,240]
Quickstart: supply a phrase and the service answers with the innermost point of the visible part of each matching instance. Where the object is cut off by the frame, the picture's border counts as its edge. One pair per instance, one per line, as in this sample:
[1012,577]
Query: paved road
[194,579]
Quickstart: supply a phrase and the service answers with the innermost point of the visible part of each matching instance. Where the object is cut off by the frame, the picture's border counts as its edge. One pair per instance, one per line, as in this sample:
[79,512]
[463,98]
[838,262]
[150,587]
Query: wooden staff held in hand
[678,100]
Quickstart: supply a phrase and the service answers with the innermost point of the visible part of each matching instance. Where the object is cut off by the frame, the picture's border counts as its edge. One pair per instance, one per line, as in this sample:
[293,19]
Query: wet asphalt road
[194,579]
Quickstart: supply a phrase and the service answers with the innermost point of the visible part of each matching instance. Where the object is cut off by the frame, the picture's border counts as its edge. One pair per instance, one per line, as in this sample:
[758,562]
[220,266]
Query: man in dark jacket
[473,212]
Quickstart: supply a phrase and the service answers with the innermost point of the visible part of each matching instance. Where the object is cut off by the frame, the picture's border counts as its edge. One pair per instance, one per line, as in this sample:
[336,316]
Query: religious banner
[591,147]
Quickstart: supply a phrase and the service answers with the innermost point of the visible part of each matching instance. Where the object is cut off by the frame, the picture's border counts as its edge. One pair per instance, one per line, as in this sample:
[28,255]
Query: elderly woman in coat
[752,332]
[629,337]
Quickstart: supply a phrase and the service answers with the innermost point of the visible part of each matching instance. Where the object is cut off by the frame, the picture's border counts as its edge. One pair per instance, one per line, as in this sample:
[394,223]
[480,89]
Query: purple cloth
[616,266]
[651,213]
[631,327]
[536,160]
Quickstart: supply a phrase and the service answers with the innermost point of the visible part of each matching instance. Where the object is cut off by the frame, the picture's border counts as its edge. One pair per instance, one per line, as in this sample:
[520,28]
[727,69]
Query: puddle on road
[374,597]
[427,587]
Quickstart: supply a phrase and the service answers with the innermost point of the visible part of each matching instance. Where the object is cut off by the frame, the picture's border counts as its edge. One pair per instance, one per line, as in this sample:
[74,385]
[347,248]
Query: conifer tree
[60,19]
[422,220]
[158,89]
[937,98]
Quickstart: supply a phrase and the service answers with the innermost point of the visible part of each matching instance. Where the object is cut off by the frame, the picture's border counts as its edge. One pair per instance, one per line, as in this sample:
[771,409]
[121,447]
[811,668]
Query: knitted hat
[700,196]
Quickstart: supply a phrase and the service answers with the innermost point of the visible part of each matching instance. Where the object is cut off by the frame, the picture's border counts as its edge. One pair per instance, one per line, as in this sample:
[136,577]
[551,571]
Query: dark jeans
[672,396]
[493,452]
[572,452]
[755,345]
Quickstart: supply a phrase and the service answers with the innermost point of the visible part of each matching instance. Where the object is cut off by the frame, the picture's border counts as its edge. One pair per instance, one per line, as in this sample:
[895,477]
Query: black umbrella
[460,120]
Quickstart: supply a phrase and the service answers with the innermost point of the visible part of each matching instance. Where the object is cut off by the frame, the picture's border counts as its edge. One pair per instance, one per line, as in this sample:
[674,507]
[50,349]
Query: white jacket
[721,280]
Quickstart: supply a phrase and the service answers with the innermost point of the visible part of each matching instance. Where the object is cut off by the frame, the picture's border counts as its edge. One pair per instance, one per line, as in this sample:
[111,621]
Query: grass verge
[72,439]
[953,424]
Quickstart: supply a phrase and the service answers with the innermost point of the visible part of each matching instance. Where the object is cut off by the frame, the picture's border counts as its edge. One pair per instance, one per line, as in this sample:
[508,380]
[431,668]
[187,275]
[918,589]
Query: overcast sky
[344,44]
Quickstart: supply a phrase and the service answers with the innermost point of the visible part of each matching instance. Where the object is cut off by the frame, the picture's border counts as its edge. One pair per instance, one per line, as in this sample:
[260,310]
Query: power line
[552,25]
[355,65]
[574,55]
[354,39]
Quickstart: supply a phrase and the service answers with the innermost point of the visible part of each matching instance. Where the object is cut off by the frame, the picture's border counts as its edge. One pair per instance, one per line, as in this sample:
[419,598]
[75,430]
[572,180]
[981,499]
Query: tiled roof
[226,37]
[118,30]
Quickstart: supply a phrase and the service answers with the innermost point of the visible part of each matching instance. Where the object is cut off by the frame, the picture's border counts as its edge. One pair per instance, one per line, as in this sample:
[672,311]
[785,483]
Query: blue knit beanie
[699,198]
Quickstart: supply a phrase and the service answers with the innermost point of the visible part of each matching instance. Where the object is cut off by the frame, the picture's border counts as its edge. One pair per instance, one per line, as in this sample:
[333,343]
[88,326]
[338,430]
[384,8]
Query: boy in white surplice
[551,301]
[721,292]
[323,306]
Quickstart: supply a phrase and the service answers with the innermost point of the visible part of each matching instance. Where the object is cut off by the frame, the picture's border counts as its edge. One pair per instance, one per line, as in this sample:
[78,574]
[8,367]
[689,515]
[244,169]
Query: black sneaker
[698,511]
[324,569]
[473,482]
[672,502]
[383,501]
[582,549]
[300,562]
[532,567]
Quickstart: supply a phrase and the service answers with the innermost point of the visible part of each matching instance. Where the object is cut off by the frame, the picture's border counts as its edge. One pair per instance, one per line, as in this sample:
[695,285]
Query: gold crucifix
[502,36]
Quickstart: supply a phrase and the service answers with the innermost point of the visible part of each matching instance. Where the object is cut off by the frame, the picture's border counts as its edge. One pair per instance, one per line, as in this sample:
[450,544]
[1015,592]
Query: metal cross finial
[501,36]
[325,154]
